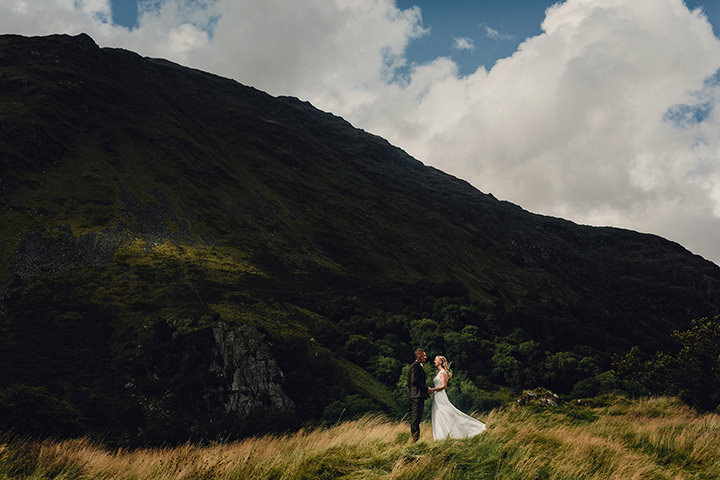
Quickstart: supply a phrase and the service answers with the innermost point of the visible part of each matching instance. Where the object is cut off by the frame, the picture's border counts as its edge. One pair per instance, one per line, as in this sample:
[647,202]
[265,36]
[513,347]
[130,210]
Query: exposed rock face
[200,383]
[251,376]
[539,396]
[37,255]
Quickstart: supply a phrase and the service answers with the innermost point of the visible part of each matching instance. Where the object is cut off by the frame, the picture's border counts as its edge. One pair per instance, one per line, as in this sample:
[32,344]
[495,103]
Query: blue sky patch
[683,116]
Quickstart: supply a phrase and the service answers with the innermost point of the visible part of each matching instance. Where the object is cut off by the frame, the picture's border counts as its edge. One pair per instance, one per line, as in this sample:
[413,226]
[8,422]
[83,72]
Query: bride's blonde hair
[445,365]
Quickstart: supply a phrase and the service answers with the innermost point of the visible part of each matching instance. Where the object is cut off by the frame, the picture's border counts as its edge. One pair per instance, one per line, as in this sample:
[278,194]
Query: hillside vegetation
[186,258]
[610,439]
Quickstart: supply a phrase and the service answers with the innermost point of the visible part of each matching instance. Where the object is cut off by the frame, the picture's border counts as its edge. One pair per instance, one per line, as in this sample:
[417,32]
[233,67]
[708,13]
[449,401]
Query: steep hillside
[178,250]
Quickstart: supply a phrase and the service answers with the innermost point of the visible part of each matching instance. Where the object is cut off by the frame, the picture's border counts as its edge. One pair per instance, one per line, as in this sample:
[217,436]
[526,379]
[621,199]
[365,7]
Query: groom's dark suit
[418,394]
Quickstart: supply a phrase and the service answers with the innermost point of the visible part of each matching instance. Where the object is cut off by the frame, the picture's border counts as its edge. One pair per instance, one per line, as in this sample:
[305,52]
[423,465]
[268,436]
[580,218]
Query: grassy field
[658,438]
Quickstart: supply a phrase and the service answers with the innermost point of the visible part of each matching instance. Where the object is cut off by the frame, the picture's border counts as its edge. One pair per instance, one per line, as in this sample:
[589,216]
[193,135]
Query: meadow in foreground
[610,438]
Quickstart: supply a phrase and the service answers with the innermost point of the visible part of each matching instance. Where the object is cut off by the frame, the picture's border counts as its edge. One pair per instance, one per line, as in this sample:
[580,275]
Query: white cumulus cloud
[494,34]
[463,43]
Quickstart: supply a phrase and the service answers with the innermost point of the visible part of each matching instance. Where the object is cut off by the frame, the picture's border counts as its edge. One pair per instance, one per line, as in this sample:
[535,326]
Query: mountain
[184,256]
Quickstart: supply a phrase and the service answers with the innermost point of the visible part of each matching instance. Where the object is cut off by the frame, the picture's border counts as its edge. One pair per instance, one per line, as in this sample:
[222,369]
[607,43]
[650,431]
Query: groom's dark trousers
[416,411]
[418,394]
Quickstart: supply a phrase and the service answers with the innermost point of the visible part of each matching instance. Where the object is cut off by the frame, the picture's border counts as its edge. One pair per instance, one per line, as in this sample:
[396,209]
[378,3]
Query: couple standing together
[447,421]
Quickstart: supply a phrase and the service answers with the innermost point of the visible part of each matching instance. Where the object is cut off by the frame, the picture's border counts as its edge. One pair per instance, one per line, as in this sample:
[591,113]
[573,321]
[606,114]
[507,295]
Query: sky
[602,112]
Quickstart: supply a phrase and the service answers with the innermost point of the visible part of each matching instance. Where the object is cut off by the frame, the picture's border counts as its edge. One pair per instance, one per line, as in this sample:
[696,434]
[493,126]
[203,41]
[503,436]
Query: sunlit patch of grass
[220,263]
[669,431]
[218,259]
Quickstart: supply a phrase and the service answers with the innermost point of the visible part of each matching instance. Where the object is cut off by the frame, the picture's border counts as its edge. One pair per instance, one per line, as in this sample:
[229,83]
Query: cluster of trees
[690,371]
[497,353]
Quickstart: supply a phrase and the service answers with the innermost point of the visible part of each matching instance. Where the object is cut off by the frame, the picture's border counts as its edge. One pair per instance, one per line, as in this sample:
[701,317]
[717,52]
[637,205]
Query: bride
[448,421]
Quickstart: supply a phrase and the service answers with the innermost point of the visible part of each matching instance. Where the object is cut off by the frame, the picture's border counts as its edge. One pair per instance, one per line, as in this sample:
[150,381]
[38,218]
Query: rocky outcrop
[539,396]
[250,378]
[202,383]
[37,254]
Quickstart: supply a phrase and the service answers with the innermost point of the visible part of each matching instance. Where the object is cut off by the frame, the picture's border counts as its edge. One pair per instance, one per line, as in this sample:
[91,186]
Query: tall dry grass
[656,438]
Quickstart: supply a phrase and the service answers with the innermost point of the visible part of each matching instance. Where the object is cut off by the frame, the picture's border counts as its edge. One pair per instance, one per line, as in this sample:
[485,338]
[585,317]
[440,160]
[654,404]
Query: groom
[419,391]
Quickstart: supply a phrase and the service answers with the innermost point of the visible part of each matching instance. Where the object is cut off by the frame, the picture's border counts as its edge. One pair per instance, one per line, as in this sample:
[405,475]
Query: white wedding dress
[448,421]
